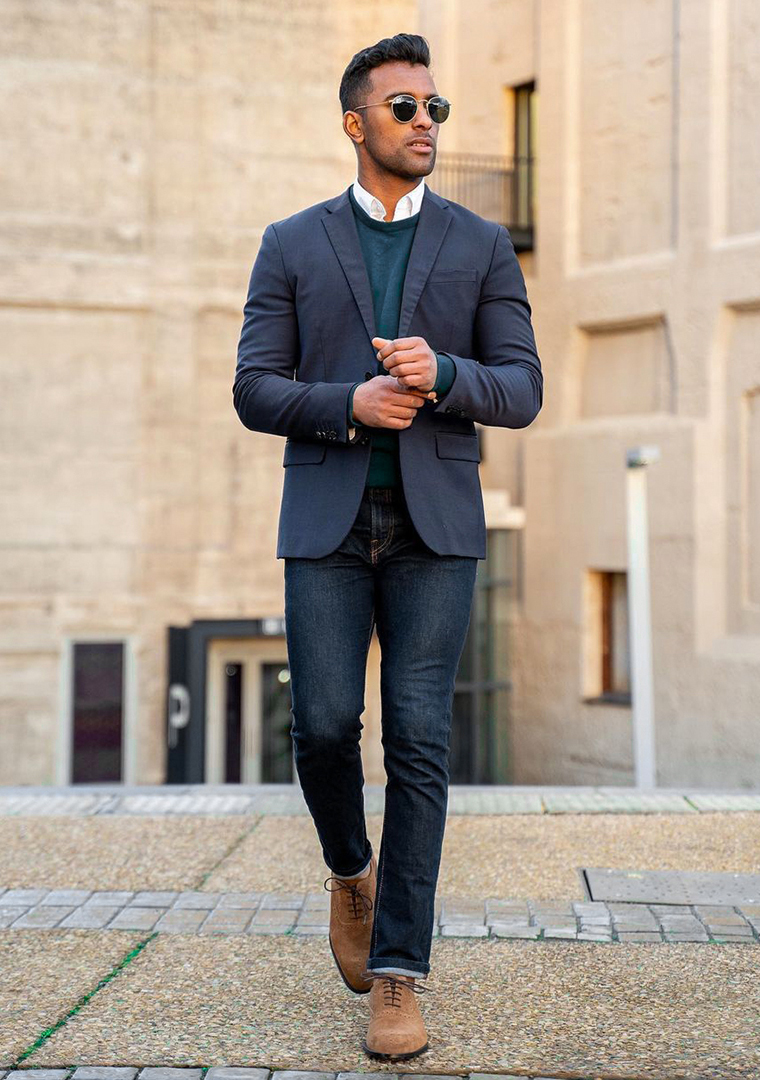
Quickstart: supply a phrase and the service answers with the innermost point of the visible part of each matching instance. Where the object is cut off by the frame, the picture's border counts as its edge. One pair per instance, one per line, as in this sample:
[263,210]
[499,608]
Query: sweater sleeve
[350,414]
[446,373]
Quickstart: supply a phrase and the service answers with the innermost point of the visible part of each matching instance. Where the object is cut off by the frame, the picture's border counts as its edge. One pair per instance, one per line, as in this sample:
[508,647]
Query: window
[480,720]
[277,758]
[526,119]
[607,661]
[97,711]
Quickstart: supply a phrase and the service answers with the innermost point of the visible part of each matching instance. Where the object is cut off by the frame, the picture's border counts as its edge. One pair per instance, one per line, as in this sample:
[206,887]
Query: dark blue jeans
[382,574]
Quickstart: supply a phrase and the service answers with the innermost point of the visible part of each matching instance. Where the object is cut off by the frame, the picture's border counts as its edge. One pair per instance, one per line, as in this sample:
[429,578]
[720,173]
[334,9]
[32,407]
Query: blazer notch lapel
[341,230]
[435,218]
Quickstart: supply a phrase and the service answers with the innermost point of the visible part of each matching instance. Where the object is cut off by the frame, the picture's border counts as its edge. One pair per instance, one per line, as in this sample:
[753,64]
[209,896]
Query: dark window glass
[616,672]
[525,141]
[98,711]
[233,726]
[277,764]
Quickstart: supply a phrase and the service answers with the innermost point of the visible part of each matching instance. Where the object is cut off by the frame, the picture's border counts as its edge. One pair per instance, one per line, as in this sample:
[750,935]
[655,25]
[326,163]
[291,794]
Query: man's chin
[423,166]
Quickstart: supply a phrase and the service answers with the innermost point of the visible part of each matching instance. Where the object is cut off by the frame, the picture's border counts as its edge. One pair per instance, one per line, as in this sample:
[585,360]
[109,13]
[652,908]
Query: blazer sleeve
[265,393]
[503,385]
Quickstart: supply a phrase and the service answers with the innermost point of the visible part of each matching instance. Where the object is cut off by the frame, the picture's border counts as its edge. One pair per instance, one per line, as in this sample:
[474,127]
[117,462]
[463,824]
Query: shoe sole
[394,1057]
[342,974]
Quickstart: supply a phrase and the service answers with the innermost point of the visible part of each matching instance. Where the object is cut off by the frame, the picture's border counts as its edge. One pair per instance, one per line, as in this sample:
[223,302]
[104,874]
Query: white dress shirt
[407,205]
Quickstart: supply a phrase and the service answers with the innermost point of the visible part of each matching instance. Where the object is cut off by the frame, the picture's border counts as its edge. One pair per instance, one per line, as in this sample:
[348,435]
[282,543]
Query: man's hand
[381,402]
[410,360]
[393,403]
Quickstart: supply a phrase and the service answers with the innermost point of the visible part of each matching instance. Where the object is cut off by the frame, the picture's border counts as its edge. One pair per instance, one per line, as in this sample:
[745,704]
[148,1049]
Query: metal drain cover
[671,886]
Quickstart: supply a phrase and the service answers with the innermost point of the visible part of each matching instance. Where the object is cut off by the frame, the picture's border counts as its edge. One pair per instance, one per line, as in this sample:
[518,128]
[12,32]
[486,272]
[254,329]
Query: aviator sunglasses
[404,107]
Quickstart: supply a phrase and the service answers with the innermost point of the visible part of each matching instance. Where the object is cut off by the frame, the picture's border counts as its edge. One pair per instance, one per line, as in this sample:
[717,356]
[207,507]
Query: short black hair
[356,83]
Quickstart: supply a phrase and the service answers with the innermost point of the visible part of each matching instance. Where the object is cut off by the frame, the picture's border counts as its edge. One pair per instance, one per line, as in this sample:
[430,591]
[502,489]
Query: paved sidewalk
[199,912]
[224,799]
[169,944]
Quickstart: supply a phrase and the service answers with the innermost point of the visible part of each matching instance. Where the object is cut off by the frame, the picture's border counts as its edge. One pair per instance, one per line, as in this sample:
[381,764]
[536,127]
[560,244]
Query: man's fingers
[408,367]
[388,346]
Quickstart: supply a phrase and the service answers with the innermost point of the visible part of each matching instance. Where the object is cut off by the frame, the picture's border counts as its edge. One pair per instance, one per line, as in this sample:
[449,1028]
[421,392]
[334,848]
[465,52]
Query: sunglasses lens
[439,108]
[404,109]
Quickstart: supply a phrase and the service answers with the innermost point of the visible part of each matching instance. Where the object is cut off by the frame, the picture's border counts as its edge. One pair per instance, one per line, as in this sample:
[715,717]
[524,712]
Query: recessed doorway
[248,714]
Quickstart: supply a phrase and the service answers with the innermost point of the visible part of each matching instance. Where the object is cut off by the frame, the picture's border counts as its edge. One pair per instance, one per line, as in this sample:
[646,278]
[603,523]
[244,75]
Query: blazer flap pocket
[455,444]
[460,274]
[301,452]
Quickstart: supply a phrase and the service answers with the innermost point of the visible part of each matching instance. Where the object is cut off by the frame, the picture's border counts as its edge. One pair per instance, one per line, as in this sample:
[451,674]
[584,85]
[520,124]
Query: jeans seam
[378,890]
[388,538]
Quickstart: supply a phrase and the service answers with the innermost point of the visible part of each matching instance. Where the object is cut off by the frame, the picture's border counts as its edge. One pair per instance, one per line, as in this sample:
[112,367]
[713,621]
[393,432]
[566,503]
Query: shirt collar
[407,205]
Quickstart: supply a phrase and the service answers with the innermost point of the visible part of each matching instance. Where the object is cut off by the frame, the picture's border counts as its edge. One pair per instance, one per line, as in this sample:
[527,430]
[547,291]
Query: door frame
[199,634]
[252,653]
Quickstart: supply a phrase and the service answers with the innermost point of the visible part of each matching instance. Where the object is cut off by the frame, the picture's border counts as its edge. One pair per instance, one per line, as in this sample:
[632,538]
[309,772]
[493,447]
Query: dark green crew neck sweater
[386,246]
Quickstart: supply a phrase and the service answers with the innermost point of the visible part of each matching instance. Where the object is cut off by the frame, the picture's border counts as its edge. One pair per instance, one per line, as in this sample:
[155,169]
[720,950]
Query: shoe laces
[393,984]
[361,902]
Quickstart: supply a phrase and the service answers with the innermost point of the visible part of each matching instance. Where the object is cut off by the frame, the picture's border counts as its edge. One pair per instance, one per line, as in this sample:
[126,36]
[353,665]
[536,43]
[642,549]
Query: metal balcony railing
[497,188]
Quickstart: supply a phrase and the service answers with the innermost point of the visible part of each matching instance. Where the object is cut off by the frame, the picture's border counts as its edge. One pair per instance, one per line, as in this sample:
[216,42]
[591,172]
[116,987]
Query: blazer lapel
[434,220]
[341,229]
[435,217]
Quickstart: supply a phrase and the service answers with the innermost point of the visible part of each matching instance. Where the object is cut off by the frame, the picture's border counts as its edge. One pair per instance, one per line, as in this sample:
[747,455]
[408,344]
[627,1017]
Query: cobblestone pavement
[82,800]
[225,1073]
[197,912]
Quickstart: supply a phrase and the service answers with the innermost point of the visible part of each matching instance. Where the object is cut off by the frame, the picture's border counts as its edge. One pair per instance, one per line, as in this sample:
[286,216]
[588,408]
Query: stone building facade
[147,145]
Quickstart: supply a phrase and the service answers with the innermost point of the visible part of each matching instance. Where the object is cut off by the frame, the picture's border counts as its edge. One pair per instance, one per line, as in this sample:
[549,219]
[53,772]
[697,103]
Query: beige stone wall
[146,145]
[645,286]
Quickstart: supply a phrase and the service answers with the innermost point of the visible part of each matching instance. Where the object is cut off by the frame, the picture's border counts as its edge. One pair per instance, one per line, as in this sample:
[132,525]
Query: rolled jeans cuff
[344,877]
[400,971]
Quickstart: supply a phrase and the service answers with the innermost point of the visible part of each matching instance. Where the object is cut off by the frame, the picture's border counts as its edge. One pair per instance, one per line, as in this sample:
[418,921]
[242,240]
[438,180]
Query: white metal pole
[639,615]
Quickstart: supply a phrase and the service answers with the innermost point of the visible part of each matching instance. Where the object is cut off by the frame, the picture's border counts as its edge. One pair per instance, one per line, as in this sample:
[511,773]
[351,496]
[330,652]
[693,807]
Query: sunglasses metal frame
[408,97]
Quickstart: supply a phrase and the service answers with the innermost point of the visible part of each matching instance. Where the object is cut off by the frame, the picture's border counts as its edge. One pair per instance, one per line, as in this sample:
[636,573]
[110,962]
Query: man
[380,325]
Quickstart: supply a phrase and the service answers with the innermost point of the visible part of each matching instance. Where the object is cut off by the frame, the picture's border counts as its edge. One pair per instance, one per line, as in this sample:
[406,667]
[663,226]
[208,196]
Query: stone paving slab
[54,805]
[115,852]
[724,803]
[569,802]
[512,855]
[515,1007]
[673,886]
[43,975]
[184,804]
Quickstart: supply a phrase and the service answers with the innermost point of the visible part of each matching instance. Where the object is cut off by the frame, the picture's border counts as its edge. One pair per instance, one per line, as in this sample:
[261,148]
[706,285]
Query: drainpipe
[639,615]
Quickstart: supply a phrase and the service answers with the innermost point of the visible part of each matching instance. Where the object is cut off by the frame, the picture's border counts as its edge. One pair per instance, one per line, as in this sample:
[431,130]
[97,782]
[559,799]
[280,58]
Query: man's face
[389,143]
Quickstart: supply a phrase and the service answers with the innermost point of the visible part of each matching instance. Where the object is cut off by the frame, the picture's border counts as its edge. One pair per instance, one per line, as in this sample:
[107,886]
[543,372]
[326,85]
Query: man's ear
[352,126]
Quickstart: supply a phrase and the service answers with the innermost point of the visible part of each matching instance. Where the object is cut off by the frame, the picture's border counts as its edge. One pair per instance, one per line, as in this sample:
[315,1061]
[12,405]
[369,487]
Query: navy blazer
[308,324]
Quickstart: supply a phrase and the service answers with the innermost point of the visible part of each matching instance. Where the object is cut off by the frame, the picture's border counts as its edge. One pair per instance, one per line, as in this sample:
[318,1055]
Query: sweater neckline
[381,226]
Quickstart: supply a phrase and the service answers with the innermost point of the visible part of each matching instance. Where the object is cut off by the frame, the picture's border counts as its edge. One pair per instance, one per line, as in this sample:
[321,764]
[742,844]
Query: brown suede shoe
[352,901]
[396,1028]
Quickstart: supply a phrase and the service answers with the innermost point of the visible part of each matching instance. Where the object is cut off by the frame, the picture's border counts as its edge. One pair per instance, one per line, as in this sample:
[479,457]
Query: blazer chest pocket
[455,276]
[303,453]
[455,444]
